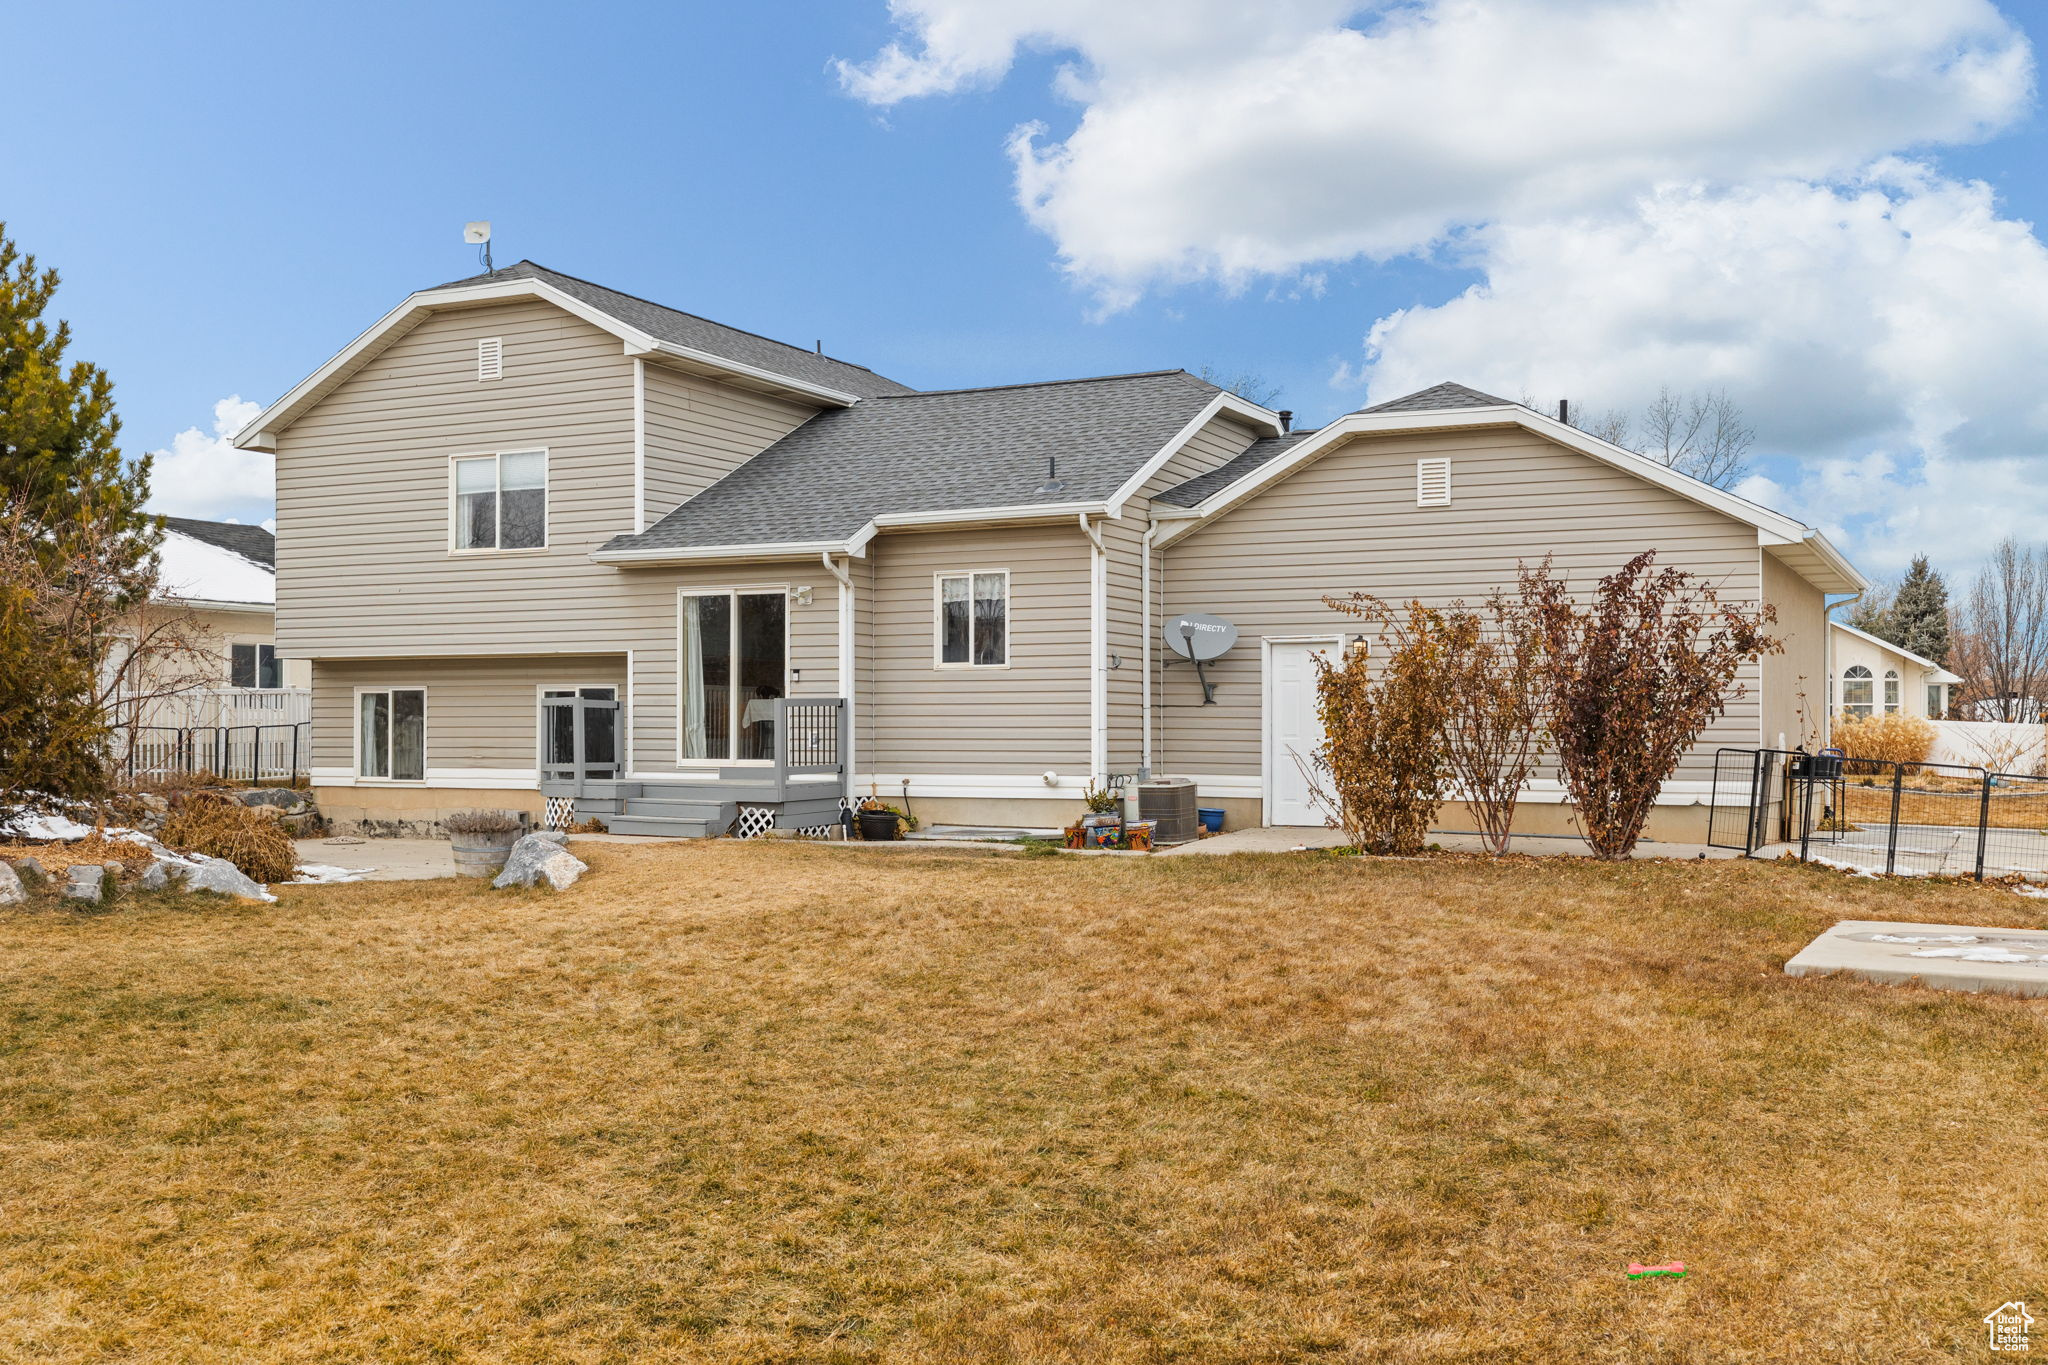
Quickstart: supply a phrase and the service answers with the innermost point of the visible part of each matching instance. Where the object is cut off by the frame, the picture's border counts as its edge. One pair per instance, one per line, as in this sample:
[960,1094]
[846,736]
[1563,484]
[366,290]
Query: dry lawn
[778,1103]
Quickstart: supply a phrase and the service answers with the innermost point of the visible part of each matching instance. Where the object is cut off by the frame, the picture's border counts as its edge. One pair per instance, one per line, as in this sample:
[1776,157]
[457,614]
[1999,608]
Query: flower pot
[1212,819]
[482,855]
[880,824]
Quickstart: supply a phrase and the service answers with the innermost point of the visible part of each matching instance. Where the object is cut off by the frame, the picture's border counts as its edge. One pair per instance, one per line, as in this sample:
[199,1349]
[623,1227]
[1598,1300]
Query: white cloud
[1221,140]
[201,475]
[1898,311]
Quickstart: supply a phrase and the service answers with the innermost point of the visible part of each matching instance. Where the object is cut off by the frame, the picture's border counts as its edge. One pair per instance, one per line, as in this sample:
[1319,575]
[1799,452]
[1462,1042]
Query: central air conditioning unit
[1169,802]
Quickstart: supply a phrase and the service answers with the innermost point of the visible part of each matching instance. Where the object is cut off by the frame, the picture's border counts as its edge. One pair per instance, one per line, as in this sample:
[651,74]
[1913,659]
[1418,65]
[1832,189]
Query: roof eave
[961,519]
[261,433]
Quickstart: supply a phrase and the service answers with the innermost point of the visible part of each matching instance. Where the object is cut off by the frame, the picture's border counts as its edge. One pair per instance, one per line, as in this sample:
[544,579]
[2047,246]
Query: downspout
[1098,645]
[1145,650]
[846,660]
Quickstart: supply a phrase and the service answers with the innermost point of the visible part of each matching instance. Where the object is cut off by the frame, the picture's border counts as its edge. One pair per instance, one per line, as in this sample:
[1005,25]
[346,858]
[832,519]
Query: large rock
[82,883]
[282,800]
[11,892]
[222,877]
[536,858]
[155,877]
[31,871]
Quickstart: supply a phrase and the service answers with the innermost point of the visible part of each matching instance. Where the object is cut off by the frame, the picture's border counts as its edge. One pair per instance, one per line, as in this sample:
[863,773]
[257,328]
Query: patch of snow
[1923,938]
[196,571]
[46,825]
[1976,954]
[2029,889]
[316,874]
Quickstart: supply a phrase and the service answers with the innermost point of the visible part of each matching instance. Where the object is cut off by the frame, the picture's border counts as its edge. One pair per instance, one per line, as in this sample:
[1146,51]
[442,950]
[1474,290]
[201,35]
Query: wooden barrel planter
[482,840]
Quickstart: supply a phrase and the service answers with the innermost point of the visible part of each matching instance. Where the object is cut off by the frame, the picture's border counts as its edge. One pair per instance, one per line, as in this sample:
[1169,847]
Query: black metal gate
[1875,815]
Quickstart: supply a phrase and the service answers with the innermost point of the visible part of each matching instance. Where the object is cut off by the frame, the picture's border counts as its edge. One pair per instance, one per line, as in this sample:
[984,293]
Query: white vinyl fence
[2002,746]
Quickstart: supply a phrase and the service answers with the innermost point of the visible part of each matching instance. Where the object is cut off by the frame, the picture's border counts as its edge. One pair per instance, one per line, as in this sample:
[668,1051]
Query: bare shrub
[221,827]
[1888,739]
[1383,746]
[483,822]
[1494,684]
[1634,677]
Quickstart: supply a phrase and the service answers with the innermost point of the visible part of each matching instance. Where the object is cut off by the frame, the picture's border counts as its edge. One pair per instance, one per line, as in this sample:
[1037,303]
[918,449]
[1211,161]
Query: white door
[1293,732]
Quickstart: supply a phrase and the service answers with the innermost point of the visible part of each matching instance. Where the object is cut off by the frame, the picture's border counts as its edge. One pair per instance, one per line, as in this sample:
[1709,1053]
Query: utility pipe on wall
[1145,587]
[1098,646]
[846,659]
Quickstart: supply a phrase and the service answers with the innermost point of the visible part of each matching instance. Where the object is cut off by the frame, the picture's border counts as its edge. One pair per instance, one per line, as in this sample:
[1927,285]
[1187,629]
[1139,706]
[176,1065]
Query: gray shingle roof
[1437,398]
[1191,493]
[702,334]
[937,452]
[250,542]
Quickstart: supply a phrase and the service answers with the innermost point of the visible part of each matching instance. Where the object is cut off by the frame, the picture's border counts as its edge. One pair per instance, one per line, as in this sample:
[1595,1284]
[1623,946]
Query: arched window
[1891,692]
[1858,691]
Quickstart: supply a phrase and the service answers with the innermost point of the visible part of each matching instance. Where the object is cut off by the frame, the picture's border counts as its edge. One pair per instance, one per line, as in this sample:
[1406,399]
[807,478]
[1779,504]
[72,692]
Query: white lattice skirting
[753,822]
[561,812]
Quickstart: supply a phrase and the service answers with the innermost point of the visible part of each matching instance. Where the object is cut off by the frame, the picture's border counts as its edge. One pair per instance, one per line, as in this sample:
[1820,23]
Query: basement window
[1432,483]
[391,733]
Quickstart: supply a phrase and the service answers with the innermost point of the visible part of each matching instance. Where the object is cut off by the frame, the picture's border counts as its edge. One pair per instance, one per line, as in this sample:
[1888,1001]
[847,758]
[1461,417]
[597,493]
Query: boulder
[155,877]
[537,858]
[82,883]
[11,891]
[31,871]
[279,800]
[221,877]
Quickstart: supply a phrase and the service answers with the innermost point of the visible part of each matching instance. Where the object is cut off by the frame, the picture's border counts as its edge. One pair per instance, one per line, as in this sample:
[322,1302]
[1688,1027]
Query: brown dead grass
[54,858]
[732,1102]
[1926,806]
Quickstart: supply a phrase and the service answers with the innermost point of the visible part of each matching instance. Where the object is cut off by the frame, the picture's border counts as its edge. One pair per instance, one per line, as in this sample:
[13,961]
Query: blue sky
[232,192]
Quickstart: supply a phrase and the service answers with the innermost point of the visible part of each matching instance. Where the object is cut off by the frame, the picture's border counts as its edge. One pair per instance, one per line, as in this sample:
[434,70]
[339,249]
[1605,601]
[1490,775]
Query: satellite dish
[476,234]
[1198,637]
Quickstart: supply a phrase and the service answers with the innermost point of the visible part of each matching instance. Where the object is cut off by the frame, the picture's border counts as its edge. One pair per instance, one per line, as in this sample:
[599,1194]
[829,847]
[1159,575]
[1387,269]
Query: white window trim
[547,469]
[355,736]
[258,642]
[1842,702]
[492,369]
[1892,692]
[939,622]
[732,702]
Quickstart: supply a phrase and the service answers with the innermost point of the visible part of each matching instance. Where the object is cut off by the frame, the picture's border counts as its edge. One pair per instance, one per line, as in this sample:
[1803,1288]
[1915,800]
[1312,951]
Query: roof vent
[1286,420]
[490,358]
[1052,482]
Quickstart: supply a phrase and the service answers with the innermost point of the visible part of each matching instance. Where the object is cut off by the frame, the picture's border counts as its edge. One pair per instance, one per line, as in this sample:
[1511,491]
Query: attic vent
[1432,483]
[490,358]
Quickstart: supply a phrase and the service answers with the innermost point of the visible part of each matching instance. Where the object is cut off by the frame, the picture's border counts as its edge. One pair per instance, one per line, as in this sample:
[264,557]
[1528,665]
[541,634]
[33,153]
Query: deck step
[666,829]
[664,808]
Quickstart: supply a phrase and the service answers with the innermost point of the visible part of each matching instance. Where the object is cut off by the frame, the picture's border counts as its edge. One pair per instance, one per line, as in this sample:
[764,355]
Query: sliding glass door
[732,666]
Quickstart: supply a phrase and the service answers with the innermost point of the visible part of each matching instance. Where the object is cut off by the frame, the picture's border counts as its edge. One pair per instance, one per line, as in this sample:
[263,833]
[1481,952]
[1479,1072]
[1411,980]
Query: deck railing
[810,736]
[236,753]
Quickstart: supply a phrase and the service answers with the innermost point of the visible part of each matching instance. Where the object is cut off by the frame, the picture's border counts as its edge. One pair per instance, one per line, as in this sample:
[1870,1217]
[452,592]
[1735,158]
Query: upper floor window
[974,619]
[1857,690]
[254,666]
[501,501]
[1891,692]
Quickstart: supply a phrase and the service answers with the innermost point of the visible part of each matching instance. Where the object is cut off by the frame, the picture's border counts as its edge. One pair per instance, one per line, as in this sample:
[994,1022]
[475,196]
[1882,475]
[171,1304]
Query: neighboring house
[1874,677]
[221,576]
[537,536]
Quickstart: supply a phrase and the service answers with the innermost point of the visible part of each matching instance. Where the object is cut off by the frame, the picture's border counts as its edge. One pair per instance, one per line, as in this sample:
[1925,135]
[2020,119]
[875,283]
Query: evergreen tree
[1919,613]
[59,452]
[79,551]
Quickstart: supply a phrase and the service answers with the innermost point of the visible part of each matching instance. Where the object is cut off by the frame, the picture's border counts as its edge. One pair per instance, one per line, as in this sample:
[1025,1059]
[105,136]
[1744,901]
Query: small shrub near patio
[1887,739]
[483,822]
[221,827]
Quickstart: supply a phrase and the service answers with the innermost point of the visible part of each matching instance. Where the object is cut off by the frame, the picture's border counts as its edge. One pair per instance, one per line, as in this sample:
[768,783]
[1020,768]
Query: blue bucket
[1212,819]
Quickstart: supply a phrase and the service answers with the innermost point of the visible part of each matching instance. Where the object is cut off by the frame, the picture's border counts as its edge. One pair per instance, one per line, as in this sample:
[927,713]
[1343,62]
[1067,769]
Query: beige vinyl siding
[1348,522]
[698,431]
[1795,679]
[1215,445]
[364,566]
[813,640]
[481,713]
[1014,721]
